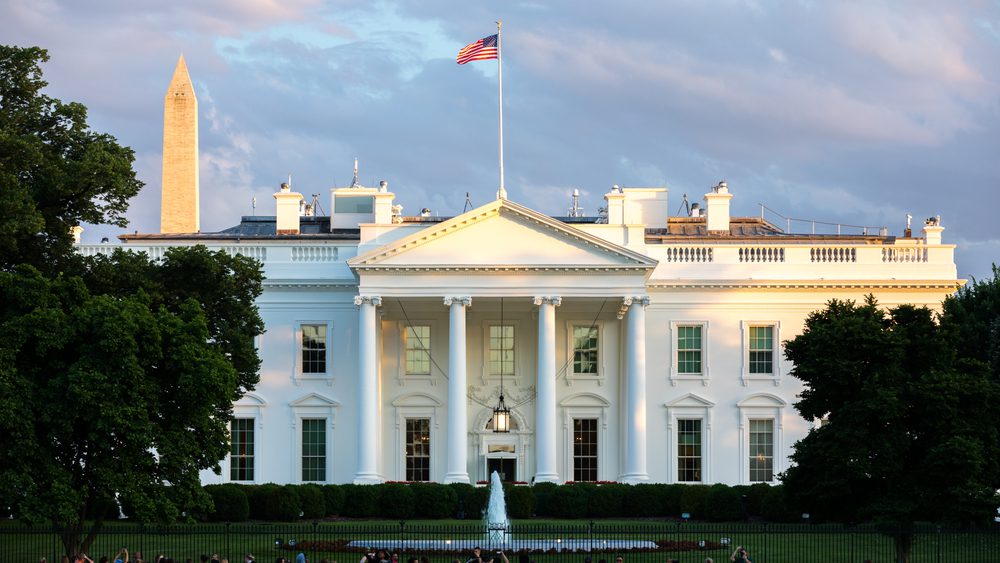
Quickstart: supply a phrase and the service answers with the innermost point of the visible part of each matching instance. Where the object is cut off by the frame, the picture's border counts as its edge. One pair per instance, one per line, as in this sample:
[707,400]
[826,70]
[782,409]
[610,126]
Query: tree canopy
[910,429]
[55,173]
[117,373]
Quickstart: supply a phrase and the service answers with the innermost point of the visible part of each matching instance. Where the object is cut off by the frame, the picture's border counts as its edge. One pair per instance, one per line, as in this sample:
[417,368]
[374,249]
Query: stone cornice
[576,268]
[277,283]
[807,285]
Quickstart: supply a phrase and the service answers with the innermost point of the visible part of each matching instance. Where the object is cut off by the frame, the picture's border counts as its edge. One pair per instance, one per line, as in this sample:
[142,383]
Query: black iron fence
[562,542]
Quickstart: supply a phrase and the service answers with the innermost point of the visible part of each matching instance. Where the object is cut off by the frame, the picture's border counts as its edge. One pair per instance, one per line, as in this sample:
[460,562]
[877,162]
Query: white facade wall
[504,251]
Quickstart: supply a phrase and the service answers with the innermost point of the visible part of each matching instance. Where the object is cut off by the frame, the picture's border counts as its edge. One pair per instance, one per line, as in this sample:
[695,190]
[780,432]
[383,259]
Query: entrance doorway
[505,466]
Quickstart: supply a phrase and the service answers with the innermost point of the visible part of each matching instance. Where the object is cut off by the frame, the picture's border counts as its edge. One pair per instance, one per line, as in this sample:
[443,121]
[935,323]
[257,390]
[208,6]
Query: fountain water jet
[497,523]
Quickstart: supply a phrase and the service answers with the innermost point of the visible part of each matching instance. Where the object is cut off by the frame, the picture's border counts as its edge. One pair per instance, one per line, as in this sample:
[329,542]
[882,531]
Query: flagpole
[502,192]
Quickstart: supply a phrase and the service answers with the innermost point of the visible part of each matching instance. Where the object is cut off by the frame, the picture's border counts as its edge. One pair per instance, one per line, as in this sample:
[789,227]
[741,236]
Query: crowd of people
[740,555]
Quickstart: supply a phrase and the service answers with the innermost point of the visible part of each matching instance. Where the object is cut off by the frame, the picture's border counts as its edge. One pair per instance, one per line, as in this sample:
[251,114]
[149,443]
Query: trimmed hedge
[230,502]
[430,501]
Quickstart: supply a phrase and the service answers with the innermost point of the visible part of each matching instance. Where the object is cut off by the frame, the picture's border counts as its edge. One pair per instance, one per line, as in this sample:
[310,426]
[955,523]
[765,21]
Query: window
[501,351]
[241,457]
[689,450]
[418,350]
[761,450]
[689,350]
[314,449]
[761,349]
[585,449]
[314,348]
[353,204]
[418,449]
[585,350]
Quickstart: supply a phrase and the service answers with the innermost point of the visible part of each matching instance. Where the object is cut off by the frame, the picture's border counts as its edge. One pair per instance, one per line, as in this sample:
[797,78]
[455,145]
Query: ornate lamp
[501,414]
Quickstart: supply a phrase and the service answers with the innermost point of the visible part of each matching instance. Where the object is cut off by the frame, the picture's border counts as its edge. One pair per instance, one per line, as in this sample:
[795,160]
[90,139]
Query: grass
[798,543]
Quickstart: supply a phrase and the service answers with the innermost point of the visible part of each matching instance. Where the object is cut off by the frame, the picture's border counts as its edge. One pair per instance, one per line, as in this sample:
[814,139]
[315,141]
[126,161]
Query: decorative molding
[547,300]
[818,285]
[367,300]
[630,300]
[578,268]
[464,300]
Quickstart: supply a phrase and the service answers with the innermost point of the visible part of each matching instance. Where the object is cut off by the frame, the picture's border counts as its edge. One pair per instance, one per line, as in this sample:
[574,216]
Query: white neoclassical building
[630,346]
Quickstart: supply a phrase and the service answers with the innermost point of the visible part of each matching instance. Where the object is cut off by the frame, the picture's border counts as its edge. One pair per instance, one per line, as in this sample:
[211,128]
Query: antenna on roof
[253,205]
[315,205]
[468,203]
[356,183]
[575,210]
[289,181]
[686,205]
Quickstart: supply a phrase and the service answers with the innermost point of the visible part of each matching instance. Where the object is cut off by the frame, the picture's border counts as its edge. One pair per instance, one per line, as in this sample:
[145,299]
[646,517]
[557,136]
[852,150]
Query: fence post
[315,549]
[939,543]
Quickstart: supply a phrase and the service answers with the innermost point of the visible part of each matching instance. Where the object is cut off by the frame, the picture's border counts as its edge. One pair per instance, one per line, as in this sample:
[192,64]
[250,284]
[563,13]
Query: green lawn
[800,543]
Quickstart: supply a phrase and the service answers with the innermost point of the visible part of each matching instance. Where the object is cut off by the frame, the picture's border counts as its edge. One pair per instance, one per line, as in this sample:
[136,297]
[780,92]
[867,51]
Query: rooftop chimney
[932,230]
[718,209]
[287,214]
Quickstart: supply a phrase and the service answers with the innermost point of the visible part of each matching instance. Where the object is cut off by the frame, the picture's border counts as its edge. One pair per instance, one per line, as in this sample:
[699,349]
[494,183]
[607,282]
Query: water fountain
[499,536]
[497,523]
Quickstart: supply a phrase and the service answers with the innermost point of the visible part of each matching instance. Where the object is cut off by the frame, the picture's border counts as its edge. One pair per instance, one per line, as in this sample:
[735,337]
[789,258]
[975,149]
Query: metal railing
[640,541]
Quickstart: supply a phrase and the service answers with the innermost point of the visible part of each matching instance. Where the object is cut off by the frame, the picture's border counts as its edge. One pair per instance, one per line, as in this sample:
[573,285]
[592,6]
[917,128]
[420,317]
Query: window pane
[314,449]
[502,350]
[689,349]
[418,350]
[689,450]
[761,450]
[585,449]
[585,349]
[241,457]
[313,348]
[418,449]
[761,353]
[353,204]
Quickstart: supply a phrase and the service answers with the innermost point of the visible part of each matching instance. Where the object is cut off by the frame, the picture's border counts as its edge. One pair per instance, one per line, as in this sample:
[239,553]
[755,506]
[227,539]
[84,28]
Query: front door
[505,466]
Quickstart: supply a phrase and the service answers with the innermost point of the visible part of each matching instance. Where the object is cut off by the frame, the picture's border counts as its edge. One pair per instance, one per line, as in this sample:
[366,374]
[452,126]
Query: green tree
[121,395]
[54,172]
[908,437]
[117,374]
[971,318]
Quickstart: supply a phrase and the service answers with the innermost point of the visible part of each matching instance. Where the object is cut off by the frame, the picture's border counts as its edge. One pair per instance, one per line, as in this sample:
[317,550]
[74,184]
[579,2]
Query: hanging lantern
[501,417]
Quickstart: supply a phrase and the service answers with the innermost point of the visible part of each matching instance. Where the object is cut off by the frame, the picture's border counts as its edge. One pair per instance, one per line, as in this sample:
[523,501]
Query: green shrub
[475,502]
[230,503]
[605,501]
[333,495]
[569,501]
[396,501]
[753,496]
[723,504]
[463,492]
[643,501]
[775,506]
[693,501]
[274,503]
[360,501]
[670,500]
[543,495]
[520,502]
[311,500]
[434,501]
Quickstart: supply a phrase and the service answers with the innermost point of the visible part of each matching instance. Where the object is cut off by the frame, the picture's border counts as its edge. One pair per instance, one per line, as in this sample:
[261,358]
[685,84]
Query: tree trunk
[74,540]
[904,544]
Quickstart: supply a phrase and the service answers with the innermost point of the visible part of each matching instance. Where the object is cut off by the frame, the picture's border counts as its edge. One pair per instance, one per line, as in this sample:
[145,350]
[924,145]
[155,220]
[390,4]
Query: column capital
[630,300]
[547,300]
[360,300]
[458,299]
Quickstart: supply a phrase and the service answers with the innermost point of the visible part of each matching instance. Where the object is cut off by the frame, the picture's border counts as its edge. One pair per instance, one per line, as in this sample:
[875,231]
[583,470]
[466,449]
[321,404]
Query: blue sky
[852,112]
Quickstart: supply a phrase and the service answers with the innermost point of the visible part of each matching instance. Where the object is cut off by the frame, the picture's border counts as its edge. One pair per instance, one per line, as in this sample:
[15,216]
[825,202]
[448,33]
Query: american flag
[484,49]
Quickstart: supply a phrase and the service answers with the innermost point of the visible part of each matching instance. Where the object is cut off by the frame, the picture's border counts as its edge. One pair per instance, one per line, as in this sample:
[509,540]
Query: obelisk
[179,205]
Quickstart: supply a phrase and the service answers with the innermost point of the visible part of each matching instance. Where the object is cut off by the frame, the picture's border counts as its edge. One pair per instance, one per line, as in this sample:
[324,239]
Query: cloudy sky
[850,112]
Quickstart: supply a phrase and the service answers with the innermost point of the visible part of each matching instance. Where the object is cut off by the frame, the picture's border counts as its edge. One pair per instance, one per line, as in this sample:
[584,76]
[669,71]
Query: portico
[590,281]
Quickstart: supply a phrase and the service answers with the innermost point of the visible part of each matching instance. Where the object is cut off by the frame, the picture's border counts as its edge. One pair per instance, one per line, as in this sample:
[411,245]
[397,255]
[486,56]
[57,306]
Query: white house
[630,346]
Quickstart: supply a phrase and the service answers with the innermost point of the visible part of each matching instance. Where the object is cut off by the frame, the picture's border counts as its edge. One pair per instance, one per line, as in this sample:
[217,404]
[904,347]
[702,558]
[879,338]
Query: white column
[367,390]
[635,389]
[545,404]
[458,418]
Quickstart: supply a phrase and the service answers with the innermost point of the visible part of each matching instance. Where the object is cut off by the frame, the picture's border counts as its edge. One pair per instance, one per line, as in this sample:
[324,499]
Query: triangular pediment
[690,400]
[503,234]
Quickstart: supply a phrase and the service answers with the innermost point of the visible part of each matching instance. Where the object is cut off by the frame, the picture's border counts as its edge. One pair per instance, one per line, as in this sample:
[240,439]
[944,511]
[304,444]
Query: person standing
[740,555]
